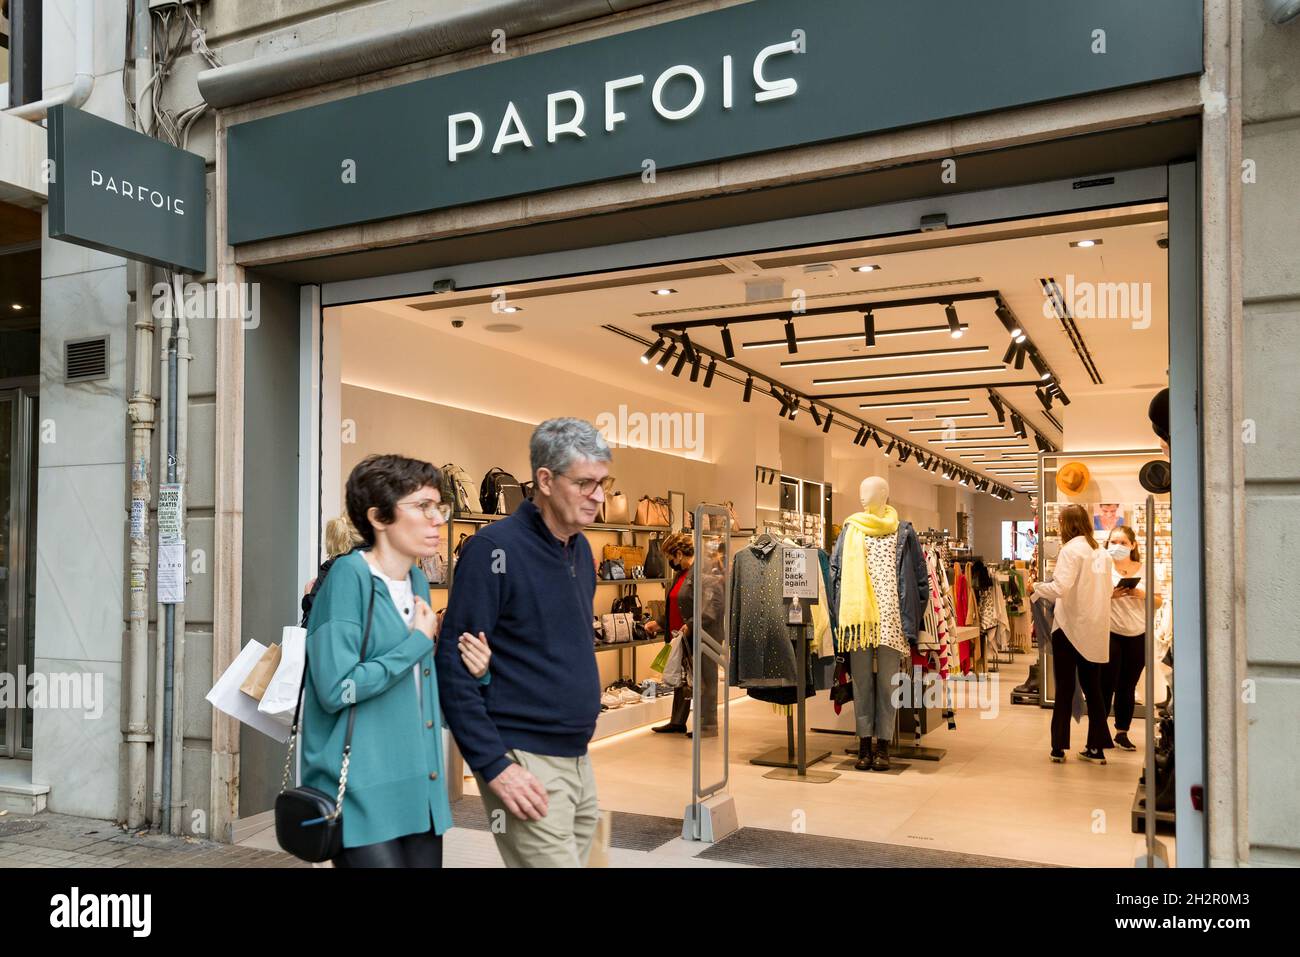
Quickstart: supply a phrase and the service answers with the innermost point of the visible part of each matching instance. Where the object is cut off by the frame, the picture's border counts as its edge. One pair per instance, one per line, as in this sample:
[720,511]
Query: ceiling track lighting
[688,349]
[680,364]
[1010,353]
[695,368]
[785,404]
[869,327]
[791,340]
[708,376]
[1045,398]
[997,407]
[830,417]
[954,324]
[1039,365]
[903,454]
[1018,425]
[749,389]
[650,353]
[875,436]
[667,357]
[1021,348]
[794,407]
[728,347]
[817,419]
[862,433]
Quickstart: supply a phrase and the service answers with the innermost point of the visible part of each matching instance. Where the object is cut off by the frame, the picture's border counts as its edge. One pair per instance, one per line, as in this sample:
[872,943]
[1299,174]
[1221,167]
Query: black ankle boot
[881,761]
[865,755]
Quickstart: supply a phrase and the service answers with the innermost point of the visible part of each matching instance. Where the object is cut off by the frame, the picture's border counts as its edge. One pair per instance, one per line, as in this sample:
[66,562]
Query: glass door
[17,563]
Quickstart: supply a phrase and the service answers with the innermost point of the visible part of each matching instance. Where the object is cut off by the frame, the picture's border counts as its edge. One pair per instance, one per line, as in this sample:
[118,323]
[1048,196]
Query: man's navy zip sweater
[531,594]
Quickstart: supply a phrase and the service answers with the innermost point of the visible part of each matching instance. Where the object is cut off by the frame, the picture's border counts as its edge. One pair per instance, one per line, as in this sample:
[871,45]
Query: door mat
[629,832]
[763,848]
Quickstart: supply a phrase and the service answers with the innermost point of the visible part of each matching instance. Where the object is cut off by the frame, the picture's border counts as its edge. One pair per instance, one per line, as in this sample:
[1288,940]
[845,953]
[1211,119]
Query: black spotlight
[749,389]
[830,417]
[1060,395]
[650,353]
[1045,398]
[688,348]
[1018,425]
[892,443]
[1020,355]
[667,357]
[785,404]
[794,407]
[817,419]
[1010,353]
[903,454]
[728,349]
[997,408]
[1039,365]
[869,327]
[791,341]
[954,325]
[708,376]
[876,437]
[862,433]
[695,368]
[680,363]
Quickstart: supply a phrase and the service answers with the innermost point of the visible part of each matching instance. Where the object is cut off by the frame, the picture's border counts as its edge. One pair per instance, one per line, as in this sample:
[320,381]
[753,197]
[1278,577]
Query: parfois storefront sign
[756,77]
[122,192]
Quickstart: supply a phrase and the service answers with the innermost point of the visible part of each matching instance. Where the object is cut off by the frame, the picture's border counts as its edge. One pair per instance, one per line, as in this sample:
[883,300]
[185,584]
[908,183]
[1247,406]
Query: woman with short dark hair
[1081,587]
[370,642]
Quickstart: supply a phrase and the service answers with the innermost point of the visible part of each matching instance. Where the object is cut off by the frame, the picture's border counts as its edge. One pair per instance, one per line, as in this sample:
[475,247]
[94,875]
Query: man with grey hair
[528,582]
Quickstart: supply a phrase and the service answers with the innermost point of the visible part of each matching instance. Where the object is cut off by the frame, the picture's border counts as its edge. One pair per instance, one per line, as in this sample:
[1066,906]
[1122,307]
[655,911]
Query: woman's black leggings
[1119,679]
[410,850]
[1066,661]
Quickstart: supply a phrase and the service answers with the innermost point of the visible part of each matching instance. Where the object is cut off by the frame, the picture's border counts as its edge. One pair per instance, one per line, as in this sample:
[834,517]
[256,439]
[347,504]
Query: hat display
[1072,478]
[1156,477]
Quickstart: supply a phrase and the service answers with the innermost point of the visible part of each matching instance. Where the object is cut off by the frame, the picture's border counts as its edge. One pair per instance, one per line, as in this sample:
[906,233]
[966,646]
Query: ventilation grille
[85,359]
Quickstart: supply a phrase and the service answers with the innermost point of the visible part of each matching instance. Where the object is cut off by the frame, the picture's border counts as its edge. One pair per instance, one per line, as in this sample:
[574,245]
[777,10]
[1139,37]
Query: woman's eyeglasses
[432,510]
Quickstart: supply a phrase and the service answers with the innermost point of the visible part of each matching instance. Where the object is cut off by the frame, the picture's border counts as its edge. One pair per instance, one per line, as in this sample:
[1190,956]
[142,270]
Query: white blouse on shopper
[1128,616]
[1081,586]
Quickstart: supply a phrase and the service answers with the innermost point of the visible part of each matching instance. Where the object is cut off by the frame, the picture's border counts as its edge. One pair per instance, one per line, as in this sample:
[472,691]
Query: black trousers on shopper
[410,850]
[1119,679]
[1066,661]
[682,695]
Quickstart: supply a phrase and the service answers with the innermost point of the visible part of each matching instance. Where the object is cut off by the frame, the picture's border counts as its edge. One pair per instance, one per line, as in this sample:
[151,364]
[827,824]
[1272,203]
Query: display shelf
[633,716]
[633,581]
[629,644]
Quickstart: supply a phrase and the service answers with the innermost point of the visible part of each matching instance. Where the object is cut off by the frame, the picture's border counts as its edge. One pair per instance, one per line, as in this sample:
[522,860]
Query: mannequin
[880,585]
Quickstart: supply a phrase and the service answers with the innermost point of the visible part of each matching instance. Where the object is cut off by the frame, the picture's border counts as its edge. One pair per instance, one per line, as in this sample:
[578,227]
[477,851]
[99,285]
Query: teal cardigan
[395,778]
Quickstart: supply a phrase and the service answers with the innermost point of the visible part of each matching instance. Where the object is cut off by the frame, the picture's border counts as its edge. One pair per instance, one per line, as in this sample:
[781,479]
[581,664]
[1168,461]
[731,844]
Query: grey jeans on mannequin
[873,702]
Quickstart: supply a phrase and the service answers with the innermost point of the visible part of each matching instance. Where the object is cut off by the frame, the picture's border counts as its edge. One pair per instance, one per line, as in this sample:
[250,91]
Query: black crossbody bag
[308,822]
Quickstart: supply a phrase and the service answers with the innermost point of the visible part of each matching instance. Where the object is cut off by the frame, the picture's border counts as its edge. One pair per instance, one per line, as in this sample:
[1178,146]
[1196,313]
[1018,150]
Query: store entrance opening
[958,373]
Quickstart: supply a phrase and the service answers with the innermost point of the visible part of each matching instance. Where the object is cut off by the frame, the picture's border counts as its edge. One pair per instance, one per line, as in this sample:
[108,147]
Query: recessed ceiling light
[960,428]
[512,308]
[869,267]
[503,327]
[917,354]
[664,292]
[1086,243]
[16,306]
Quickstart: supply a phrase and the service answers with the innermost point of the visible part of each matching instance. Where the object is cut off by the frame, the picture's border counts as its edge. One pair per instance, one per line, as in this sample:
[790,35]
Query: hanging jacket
[913,581]
[762,649]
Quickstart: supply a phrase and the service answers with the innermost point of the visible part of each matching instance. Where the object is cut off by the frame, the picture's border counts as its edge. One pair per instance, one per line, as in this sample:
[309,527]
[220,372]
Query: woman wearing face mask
[1128,626]
[679,551]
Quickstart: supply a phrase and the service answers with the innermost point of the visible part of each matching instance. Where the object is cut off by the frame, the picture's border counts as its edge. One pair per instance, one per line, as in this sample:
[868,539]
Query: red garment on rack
[961,596]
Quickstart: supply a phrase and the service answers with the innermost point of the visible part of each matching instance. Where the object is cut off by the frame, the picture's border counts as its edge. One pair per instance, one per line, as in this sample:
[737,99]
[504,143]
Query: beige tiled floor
[995,792]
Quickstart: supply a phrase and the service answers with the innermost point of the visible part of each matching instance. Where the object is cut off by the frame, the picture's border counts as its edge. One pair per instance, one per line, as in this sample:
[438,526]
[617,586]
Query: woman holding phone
[1128,628]
[1081,587]
[370,643]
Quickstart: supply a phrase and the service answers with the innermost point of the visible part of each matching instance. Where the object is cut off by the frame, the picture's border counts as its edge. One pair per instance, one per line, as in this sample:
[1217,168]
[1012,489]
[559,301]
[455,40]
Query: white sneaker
[628,696]
[611,700]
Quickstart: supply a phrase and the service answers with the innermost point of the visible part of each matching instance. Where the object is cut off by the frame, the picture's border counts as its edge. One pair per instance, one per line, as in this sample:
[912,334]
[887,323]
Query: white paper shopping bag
[281,697]
[226,697]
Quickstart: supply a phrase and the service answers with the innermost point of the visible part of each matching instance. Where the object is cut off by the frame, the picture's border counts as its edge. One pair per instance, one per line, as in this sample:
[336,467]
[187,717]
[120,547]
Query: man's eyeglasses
[587,486]
[431,509]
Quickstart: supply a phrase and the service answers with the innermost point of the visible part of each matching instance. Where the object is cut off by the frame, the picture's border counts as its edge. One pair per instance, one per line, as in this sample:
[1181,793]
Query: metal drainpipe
[169,610]
[161,767]
[84,79]
[141,412]
[182,389]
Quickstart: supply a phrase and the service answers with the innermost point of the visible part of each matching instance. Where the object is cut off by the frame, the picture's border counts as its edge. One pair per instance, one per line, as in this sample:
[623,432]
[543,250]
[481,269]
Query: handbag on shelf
[456,485]
[617,627]
[500,493]
[309,822]
[731,510]
[654,564]
[653,513]
[435,568]
[628,601]
[612,570]
[614,510]
[631,555]
[460,544]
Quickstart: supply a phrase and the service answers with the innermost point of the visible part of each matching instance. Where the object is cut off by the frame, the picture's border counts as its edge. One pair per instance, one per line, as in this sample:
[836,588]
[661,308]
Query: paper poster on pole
[800,569]
[171,574]
[169,514]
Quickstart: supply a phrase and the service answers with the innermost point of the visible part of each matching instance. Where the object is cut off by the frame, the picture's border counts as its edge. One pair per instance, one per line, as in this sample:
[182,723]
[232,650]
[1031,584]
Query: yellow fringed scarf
[859,615]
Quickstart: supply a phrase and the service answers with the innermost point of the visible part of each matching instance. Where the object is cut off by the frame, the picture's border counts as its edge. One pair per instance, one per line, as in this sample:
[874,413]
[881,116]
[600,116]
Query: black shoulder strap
[302,685]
